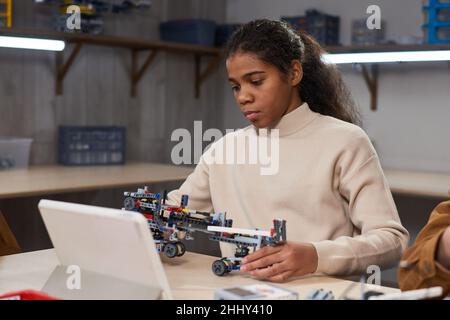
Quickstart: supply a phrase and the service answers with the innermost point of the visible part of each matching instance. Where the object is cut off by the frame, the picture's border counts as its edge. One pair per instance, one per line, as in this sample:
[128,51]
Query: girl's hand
[279,263]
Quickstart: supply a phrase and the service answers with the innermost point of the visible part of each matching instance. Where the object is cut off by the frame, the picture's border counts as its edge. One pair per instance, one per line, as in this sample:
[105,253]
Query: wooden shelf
[151,48]
[371,72]
[78,40]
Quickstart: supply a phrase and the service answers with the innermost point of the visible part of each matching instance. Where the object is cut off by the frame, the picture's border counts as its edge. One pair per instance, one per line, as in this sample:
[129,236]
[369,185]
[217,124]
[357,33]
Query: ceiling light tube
[386,57]
[31,43]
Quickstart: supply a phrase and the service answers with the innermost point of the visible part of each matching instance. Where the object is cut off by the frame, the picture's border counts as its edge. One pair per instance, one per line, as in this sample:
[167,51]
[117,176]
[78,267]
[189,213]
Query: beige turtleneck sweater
[329,187]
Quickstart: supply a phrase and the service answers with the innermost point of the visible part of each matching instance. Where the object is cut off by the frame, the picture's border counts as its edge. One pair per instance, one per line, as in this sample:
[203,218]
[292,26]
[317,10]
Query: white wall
[97,86]
[411,129]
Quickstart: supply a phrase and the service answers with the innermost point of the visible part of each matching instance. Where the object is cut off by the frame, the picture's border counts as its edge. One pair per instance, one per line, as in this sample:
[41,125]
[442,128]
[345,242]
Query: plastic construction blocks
[170,224]
[244,240]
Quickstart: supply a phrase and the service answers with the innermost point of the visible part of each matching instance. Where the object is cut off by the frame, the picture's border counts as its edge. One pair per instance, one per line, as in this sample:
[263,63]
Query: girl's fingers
[268,250]
[281,277]
[262,262]
[270,271]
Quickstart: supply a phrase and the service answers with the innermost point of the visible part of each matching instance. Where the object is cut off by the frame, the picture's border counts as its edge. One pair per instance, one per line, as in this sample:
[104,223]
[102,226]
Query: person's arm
[372,211]
[443,253]
[380,238]
[426,263]
[196,186]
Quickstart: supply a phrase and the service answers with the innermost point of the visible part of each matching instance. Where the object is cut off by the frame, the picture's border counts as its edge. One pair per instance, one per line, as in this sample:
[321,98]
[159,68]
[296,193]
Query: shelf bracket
[136,72]
[63,67]
[200,77]
[371,78]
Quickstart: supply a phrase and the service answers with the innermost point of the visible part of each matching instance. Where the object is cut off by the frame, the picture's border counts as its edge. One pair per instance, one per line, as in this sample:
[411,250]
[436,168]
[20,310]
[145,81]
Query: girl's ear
[296,72]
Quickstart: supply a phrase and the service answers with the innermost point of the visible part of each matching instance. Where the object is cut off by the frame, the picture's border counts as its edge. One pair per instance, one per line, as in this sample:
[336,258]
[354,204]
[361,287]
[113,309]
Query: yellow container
[6,13]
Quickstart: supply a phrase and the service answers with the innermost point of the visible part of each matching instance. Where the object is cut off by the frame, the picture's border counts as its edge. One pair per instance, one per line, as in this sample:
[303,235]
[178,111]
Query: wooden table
[43,181]
[40,181]
[54,179]
[190,277]
[427,184]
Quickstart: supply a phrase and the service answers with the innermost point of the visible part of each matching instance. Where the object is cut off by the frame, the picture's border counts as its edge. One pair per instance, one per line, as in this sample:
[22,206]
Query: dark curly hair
[278,44]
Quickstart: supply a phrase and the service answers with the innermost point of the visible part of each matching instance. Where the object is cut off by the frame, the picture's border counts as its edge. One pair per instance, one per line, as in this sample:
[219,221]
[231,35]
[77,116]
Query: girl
[329,186]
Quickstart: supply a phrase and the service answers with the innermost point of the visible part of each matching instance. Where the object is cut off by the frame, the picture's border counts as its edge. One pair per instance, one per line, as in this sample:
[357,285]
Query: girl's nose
[244,97]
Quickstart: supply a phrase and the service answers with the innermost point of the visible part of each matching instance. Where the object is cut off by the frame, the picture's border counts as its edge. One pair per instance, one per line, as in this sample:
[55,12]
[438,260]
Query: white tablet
[113,249]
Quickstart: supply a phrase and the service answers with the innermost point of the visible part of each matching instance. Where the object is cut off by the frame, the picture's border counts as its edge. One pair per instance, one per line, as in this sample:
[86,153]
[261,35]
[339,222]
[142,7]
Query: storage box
[91,145]
[224,32]
[255,292]
[362,35]
[192,31]
[440,14]
[437,21]
[296,22]
[14,152]
[323,27]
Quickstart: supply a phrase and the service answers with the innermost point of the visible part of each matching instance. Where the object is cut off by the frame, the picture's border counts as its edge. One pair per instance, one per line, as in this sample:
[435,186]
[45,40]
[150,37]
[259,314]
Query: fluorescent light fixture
[31,43]
[380,57]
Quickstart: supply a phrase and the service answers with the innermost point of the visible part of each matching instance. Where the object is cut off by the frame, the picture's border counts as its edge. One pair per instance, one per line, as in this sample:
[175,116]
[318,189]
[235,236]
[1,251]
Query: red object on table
[27,295]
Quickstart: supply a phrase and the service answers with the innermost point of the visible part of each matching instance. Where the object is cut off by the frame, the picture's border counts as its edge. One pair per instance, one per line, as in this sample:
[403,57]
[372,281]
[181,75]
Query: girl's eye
[257,82]
[234,88]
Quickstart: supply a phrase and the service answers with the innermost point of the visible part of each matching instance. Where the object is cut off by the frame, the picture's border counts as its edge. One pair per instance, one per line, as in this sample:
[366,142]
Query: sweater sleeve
[196,186]
[420,268]
[379,237]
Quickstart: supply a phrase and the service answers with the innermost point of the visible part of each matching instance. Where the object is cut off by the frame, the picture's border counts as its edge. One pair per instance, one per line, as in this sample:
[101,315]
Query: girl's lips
[251,115]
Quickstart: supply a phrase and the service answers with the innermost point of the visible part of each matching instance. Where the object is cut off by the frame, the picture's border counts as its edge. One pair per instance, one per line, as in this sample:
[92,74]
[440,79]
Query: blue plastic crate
[297,22]
[323,27]
[437,21]
[81,145]
[437,34]
[224,32]
[437,4]
[192,31]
